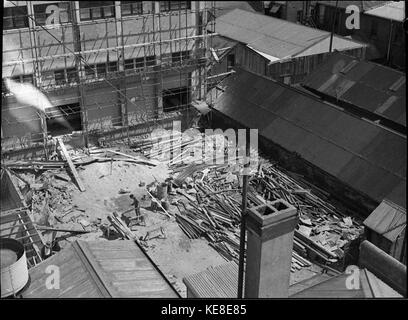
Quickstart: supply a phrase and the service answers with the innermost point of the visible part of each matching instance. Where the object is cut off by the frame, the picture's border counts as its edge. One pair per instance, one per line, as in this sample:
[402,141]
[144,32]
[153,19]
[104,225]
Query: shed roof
[222,282]
[388,220]
[223,7]
[390,10]
[372,87]
[362,5]
[361,154]
[100,269]
[335,287]
[276,37]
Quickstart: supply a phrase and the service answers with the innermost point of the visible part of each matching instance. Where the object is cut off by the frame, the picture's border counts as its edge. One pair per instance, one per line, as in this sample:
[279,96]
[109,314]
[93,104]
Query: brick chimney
[270,230]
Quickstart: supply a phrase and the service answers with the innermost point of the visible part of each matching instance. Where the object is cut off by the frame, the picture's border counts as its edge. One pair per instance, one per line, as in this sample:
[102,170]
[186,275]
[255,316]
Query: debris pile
[208,197]
[210,207]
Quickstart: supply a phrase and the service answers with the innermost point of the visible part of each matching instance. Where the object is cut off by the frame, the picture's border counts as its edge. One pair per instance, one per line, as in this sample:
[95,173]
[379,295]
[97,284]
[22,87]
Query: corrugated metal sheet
[362,5]
[215,282]
[369,86]
[100,269]
[391,10]
[367,157]
[223,7]
[388,220]
[276,37]
[332,288]
[222,282]
[336,287]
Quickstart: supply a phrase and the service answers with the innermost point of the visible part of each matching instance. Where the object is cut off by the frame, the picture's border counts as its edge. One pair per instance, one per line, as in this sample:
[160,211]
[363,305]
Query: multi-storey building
[105,66]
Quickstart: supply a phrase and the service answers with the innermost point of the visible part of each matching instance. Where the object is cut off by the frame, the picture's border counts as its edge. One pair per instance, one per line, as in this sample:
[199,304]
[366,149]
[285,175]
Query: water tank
[14,271]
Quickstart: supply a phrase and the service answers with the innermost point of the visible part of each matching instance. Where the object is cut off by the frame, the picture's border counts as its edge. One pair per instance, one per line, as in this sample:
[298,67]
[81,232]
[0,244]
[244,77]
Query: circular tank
[14,271]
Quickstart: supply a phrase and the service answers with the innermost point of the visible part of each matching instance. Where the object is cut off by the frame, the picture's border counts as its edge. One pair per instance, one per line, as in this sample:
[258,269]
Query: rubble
[207,199]
[211,208]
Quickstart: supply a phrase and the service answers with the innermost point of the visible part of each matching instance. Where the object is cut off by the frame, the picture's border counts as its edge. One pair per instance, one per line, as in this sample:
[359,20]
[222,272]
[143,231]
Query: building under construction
[107,67]
[86,186]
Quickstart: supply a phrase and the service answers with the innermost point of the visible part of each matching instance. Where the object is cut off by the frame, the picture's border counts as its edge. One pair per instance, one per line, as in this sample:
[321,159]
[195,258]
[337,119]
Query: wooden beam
[159,204]
[44,228]
[151,163]
[71,165]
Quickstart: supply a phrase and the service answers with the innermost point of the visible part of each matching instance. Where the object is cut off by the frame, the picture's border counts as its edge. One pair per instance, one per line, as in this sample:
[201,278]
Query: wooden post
[71,165]
[332,31]
[80,72]
[243,219]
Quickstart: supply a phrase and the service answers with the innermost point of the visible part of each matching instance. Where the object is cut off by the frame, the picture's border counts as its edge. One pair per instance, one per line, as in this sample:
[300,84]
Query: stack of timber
[210,207]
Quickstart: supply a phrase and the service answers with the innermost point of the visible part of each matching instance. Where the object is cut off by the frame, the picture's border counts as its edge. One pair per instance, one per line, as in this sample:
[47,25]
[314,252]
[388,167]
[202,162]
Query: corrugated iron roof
[367,157]
[388,220]
[366,85]
[223,7]
[391,10]
[98,269]
[276,37]
[222,282]
[362,5]
[370,287]
[215,282]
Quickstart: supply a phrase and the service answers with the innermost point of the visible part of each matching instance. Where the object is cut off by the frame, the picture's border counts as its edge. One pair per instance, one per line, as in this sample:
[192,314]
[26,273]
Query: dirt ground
[108,187]
[176,255]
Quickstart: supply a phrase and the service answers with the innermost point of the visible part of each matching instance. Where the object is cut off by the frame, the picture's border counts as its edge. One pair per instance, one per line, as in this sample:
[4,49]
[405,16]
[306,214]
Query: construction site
[141,157]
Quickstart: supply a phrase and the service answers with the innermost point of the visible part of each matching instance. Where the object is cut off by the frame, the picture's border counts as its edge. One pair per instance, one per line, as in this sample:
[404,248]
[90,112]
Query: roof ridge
[273,18]
[321,34]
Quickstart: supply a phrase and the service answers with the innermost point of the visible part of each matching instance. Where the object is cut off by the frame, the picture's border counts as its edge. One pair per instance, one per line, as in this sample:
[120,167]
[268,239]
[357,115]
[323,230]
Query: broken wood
[159,204]
[44,228]
[71,165]
[141,161]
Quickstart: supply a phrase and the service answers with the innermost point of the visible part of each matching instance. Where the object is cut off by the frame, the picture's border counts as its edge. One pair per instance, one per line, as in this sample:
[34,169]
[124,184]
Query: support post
[80,72]
[332,31]
[242,239]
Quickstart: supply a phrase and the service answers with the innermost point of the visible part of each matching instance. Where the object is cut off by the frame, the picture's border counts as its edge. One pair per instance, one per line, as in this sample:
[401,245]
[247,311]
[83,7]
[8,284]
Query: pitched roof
[391,10]
[222,282]
[276,37]
[361,154]
[362,5]
[388,219]
[215,282]
[372,87]
[223,7]
[100,269]
[336,287]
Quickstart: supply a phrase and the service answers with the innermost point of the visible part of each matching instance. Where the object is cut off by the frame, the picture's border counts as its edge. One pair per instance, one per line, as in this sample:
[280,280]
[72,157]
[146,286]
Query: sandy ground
[176,255]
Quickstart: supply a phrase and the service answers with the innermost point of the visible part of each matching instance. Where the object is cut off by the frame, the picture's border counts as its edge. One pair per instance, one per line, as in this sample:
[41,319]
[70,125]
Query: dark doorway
[174,99]
[64,119]
[230,61]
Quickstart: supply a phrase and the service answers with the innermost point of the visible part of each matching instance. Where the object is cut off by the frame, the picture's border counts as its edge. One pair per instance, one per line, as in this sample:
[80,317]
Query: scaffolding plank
[71,165]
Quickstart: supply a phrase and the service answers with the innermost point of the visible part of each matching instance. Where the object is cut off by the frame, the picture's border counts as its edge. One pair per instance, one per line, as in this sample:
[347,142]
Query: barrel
[14,271]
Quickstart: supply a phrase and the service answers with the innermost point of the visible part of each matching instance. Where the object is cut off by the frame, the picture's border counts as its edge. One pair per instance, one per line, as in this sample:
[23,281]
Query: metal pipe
[389,44]
[332,31]
[243,219]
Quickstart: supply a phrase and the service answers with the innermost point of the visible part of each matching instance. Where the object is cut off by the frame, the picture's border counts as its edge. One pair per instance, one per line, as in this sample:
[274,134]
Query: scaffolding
[139,60]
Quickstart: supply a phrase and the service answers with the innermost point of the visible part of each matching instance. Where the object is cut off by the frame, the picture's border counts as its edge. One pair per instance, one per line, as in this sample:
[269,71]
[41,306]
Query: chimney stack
[270,230]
